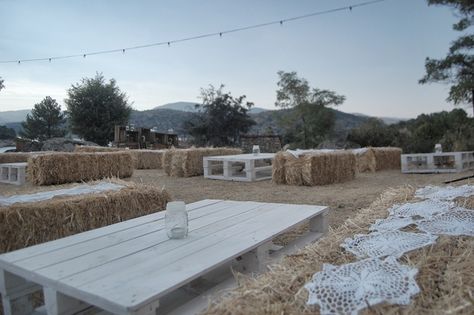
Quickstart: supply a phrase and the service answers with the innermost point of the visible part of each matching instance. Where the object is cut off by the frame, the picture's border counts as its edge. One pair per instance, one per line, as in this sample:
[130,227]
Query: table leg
[59,304]
[256,260]
[250,170]
[16,294]
[319,223]
[227,172]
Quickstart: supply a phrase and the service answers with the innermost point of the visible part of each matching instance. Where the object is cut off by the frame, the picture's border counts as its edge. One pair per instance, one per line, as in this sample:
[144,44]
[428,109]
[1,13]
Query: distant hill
[190,107]
[386,120]
[13,116]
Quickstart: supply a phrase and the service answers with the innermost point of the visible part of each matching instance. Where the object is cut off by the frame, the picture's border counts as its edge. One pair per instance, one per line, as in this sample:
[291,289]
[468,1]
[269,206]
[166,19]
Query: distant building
[144,138]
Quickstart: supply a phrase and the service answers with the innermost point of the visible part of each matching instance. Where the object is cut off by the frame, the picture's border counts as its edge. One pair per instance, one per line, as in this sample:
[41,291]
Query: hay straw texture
[387,158]
[26,224]
[83,148]
[19,157]
[365,160]
[446,272]
[316,168]
[60,168]
[147,159]
[189,162]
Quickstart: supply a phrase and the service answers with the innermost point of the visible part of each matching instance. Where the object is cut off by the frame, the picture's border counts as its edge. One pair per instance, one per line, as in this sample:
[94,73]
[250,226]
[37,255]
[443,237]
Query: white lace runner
[456,222]
[352,287]
[391,223]
[425,209]
[445,193]
[386,243]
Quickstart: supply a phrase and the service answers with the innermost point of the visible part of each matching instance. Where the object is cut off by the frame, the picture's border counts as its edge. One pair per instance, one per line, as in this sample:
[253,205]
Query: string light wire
[201,36]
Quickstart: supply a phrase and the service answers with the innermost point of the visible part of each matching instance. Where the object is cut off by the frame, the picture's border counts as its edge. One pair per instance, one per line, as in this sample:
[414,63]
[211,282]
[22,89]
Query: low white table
[126,268]
[13,173]
[226,167]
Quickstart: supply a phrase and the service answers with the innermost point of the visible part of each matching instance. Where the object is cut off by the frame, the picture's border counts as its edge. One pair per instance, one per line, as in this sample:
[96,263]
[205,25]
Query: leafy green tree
[310,121]
[372,133]
[220,119]
[457,68]
[45,121]
[94,107]
[7,133]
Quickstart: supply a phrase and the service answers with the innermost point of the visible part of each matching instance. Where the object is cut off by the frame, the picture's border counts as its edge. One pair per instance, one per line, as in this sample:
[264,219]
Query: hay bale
[166,160]
[365,160]
[19,157]
[278,167]
[294,170]
[59,168]
[26,224]
[328,168]
[92,148]
[387,158]
[147,159]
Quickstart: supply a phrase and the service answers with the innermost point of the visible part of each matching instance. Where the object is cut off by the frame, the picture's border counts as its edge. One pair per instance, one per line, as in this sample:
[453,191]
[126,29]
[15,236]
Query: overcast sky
[374,55]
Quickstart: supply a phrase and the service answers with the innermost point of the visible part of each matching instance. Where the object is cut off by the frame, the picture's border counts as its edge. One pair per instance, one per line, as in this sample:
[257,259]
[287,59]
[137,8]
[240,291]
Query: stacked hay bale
[147,159]
[19,157]
[365,159]
[387,158]
[59,168]
[26,224]
[314,168]
[189,162]
[82,148]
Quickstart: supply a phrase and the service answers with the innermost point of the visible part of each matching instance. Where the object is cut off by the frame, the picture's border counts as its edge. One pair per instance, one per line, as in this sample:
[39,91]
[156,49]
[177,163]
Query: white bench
[132,267]
[443,162]
[13,173]
[227,167]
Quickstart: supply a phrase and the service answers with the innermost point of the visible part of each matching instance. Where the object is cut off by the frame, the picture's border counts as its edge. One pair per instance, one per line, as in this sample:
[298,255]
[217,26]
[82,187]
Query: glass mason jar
[256,150]
[176,220]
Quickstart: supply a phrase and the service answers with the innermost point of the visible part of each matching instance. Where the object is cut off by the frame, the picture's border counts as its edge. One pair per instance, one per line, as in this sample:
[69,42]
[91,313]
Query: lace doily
[386,243]
[456,222]
[391,223]
[444,193]
[349,288]
[425,209]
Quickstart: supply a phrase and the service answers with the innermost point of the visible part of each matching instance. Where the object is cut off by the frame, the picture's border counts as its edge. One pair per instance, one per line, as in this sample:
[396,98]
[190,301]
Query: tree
[372,133]
[45,121]
[2,86]
[457,68]
[7,133]
[220,119]
[95,106]
[310,121]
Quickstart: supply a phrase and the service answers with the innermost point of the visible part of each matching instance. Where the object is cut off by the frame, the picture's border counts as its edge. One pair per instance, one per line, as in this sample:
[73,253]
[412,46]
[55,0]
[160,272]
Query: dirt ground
[344,199]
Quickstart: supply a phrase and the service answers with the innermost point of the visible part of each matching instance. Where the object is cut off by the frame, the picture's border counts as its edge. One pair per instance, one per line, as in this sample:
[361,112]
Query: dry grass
[59,168]
[314,168]
[26,224]
[82,148]
[147,159]
[446,272]
[387,158]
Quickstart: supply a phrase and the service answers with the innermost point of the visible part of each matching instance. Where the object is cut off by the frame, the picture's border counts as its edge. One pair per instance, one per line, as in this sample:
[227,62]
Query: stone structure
[267,143]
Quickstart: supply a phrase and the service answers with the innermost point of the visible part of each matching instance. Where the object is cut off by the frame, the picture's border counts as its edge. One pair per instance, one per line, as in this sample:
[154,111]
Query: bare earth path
[343,199]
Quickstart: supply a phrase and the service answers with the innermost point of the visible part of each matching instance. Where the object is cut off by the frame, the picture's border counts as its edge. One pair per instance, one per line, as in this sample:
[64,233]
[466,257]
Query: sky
[374,55]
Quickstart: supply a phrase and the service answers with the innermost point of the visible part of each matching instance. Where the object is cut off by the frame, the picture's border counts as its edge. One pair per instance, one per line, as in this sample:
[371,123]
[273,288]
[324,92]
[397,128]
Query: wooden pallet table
[229,167]
[132,267]
[443,162]
[13,173]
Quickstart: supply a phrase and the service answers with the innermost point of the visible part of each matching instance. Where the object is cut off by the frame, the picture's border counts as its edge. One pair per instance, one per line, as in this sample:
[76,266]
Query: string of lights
[196,37]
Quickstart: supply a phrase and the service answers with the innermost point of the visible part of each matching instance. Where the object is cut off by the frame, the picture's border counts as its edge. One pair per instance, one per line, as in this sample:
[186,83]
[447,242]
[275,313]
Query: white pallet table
[228,164]
[443,162]
[132,266]
[13,173]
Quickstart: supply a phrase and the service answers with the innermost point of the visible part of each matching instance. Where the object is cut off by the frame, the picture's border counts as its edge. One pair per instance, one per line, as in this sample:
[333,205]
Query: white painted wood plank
[158,242]
[148,282]
[132,239]
[92,234]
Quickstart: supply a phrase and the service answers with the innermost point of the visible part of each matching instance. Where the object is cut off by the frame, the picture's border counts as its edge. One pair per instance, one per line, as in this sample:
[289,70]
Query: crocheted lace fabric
[391,223]
[456,222]
[425,209]
[386,243]
[444,193]
[352,287]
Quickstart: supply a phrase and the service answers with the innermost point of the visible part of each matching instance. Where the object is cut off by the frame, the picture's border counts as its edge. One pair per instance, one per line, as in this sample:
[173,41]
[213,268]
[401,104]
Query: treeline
[454,130]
